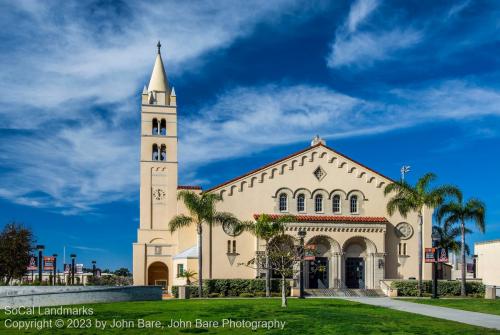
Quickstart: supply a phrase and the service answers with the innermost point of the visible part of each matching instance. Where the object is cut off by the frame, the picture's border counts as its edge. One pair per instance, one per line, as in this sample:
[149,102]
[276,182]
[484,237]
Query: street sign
[429,255]
[442,255]
[32,265]
[48,263]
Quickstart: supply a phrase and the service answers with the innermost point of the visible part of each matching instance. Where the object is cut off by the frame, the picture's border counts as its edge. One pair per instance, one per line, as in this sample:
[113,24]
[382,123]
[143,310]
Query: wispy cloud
[355,47]
[83,248]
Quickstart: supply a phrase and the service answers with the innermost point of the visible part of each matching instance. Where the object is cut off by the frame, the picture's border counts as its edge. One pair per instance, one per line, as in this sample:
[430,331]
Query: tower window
[157,250]
[155,152]
[163,127]
[318,203]
[283,202]
[354,204]
[228,246]
[163,152]
[301,203]
[402,249]
[336,204]
[234,246]
[155,127]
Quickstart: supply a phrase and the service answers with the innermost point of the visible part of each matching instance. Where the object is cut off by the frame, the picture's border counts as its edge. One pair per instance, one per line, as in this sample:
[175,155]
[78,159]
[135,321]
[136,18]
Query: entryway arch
[158,274]
[359,267]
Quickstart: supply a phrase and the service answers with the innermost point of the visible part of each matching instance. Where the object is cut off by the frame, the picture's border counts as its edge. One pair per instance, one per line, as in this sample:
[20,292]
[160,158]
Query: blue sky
[385,82]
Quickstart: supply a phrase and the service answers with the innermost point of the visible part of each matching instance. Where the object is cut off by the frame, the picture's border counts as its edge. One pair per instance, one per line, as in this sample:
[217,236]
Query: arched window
[155,152]
[283,202]
[318,203]
[163,127]
[354,204]
[163,153]
[336,204]
[301,203]
[155,127]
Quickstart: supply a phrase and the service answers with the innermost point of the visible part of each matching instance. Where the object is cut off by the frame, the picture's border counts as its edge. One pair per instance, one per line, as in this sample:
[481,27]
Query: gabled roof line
[290,156]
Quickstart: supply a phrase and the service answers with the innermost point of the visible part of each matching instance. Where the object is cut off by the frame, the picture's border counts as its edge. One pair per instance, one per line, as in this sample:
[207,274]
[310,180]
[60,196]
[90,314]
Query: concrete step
[344,292]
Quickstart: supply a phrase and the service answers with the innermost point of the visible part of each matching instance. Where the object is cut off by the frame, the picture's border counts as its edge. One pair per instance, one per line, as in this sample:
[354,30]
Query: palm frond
[475,210]
[423,182]
[223,218]
[179,221]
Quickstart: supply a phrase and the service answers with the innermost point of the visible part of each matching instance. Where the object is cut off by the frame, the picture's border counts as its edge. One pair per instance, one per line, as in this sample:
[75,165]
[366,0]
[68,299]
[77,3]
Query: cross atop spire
[158,81]
[159,46]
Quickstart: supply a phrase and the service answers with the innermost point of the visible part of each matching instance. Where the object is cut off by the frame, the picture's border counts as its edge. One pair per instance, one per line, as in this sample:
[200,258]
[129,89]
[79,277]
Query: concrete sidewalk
[452,314]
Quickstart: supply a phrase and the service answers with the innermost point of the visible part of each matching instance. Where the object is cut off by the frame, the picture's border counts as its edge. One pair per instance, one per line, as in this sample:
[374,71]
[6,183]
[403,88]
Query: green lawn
[311,316]
[467,304]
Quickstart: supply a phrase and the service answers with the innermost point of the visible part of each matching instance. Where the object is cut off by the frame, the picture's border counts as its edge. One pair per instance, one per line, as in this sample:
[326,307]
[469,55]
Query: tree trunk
[284,302]
[464,264]
[8,280]
[200,261]
[268,272]
[420,252]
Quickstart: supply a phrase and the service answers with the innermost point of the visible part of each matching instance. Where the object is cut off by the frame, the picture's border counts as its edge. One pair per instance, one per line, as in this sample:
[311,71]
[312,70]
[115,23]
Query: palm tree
[188,274]
[266,228]
[456,211]
[448,236]
[415,198]
[201,211]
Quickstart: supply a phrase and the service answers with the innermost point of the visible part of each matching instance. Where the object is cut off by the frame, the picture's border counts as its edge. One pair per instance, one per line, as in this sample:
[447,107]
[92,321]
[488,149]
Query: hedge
[409,288]
[235,288]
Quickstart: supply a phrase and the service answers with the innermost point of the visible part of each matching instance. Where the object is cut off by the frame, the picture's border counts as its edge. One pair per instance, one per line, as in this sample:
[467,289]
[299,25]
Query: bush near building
[215,288]
[409,288]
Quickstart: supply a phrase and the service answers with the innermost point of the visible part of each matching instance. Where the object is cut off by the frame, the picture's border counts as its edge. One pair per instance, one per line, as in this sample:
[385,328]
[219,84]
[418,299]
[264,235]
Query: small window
[354,204]
[180,269]
[163,153]
[402,249]
[318,203]
[283,202]
[301,203]
[163,127]
[155,152]
[157,250]
[336,204]
[234,246]
[228,246]
[155,127]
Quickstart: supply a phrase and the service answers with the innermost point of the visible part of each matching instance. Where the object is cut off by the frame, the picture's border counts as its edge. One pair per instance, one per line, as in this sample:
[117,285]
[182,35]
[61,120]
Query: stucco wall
[15,296]
[488,264]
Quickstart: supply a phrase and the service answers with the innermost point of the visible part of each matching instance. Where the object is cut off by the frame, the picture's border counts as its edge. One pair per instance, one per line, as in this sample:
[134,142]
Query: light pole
[73,257]
[404,170]
[435,242]
[55,268]
[302,234]
[93,269]
[40,248]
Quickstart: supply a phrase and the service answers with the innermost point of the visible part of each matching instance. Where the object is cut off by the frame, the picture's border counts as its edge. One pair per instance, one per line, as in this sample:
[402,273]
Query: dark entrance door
[355,272]
[318,273]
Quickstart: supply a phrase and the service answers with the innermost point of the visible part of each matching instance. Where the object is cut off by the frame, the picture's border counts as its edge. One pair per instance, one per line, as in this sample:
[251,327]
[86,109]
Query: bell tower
[158,173]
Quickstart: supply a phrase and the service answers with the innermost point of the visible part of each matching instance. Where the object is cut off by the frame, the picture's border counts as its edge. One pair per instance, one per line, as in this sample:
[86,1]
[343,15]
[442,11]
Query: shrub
[235,288]
[408,288]
[247,295]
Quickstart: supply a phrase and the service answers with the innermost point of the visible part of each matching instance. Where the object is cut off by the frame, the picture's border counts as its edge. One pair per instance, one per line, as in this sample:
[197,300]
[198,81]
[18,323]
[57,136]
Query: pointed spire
[145,90]
[158,81]
[173,92]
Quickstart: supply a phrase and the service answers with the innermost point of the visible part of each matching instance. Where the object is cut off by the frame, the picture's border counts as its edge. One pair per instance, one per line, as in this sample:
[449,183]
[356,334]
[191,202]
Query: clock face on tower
[404,230]
[159,194]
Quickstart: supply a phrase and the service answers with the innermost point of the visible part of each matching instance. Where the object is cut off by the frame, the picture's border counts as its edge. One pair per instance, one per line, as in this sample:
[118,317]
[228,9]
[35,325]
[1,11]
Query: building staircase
[344,292]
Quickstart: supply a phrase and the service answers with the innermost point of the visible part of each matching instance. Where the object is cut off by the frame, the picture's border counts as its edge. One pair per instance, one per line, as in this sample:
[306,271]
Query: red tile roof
[290,156]
[331,218]
[185,187]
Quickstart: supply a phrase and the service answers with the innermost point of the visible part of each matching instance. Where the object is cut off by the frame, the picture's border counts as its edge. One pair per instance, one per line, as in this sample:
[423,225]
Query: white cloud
[357,48]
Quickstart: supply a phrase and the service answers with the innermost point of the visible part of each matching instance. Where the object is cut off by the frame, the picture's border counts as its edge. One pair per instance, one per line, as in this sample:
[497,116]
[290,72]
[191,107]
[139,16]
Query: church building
[337,200]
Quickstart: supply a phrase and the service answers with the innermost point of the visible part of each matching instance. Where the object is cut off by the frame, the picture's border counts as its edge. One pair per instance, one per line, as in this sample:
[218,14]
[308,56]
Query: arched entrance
[158,274]
[358,263]
[321,270]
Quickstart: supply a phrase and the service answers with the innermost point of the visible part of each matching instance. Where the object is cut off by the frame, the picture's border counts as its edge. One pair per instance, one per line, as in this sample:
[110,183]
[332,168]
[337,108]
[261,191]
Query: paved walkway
[452,314]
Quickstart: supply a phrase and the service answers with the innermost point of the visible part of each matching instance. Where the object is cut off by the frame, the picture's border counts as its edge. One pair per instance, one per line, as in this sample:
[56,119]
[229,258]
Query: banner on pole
[429,255]
[442,255]
[32,265]
[310,252]
[79,268]
[48,263]
[67,268]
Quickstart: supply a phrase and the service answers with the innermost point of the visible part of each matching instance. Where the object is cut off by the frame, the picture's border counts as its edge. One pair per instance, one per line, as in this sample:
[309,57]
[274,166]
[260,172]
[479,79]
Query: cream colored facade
[488,266]
[338,201]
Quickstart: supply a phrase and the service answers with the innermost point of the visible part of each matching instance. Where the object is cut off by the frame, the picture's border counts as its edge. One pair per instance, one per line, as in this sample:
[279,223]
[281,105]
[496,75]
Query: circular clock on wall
[159,194]
[230,229]
[404,230]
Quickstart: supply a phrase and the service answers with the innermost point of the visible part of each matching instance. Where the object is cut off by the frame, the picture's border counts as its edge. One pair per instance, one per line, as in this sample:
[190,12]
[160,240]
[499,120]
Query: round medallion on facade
[230,229]
[159,194]
[404,230]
